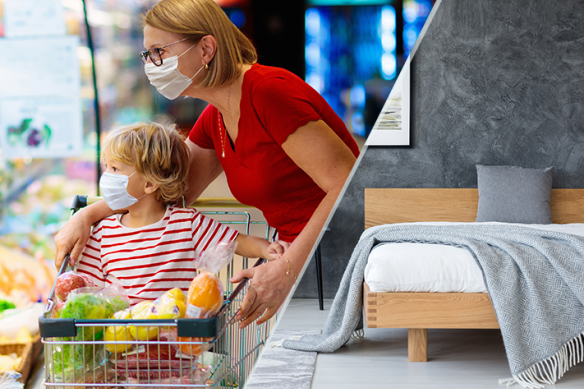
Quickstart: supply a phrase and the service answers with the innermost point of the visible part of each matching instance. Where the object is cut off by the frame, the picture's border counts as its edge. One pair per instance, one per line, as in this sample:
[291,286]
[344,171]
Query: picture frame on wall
[392,127]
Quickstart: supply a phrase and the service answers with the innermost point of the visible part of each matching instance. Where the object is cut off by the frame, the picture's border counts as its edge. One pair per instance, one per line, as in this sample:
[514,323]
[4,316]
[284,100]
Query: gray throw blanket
[535,280]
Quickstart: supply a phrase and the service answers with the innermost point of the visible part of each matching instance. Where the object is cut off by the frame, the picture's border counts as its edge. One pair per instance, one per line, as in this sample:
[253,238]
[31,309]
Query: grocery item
[205,296]
[118,333]
[171,305]
[143,311]
[26,279]
[5,304]
[23,335]
[11,380]
[13,320]
[9,362]
[159,363]
[86,306]
[86,303]
[68,282]
[204,300]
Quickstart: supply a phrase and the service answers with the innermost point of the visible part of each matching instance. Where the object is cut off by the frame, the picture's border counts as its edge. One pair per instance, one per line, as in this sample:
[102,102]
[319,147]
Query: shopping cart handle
[51,298]
[239,287]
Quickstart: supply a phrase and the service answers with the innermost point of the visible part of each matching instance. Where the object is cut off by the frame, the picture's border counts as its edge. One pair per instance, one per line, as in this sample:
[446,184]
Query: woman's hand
[72,238]
[75,233]
[266,293]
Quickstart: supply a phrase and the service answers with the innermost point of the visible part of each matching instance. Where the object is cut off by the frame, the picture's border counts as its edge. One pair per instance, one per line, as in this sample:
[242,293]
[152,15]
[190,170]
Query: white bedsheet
[416,267]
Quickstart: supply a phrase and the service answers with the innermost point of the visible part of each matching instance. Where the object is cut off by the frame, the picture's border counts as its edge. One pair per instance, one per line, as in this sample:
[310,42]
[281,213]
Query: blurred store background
[349,51]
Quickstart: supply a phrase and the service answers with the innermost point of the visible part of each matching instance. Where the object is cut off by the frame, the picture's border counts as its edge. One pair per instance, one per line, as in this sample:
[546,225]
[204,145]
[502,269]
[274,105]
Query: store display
[12,322]
[35,194]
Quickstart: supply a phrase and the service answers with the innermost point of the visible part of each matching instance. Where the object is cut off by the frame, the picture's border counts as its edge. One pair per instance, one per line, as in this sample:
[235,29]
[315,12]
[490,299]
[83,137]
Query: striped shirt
[148,261]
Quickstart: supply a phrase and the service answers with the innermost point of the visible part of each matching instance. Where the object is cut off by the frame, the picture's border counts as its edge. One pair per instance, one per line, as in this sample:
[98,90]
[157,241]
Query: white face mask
[114,189]
[167,79]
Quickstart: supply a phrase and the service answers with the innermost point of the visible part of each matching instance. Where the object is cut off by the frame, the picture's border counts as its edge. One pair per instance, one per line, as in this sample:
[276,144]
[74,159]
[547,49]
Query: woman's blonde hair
[158,153]
[193,19]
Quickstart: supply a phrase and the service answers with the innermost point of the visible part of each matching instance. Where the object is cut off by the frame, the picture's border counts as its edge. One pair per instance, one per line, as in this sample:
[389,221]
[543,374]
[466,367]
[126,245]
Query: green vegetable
[86,306]
[71,361]
[118,304]
[4,305]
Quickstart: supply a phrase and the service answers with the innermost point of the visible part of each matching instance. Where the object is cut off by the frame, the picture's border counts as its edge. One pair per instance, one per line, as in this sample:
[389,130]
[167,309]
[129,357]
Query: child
[152,247]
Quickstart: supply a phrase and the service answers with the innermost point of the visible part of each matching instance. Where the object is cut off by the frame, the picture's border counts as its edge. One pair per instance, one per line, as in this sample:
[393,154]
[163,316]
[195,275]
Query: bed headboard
[400,205]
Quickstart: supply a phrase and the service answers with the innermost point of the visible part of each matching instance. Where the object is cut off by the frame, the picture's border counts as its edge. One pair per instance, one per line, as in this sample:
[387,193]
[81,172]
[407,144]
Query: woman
[281,146]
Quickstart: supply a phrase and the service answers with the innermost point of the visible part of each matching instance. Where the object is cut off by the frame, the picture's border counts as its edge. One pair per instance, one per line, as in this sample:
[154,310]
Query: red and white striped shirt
[150,260]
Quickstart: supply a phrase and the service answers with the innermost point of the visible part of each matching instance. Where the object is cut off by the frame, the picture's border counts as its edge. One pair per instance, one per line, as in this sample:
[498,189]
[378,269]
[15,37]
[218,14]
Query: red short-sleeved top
[274,103]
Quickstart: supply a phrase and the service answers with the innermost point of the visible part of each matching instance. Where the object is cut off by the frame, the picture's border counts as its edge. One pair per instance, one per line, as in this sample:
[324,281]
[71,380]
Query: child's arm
[255,247]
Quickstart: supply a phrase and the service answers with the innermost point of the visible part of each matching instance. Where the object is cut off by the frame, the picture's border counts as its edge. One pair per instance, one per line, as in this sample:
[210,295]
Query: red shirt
[274,103]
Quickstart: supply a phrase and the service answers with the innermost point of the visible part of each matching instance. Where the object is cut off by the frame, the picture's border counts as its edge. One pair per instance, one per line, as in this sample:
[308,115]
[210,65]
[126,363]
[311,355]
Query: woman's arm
[317,150]
[204,168]
[75,233]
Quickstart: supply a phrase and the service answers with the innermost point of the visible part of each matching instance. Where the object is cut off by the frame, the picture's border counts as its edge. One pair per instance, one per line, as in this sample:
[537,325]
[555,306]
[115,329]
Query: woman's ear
[209,47]
[150,188]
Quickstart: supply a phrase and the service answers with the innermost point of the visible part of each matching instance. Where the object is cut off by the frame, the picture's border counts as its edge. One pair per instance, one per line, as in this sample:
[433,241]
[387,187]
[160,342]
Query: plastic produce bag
[119,333]
[68,282]
[71,361]
[10,380]
[171,305]
[205,296]
[216,257]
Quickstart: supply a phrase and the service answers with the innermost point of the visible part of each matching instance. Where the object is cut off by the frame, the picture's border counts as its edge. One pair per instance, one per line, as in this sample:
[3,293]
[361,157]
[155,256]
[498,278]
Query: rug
[282,368]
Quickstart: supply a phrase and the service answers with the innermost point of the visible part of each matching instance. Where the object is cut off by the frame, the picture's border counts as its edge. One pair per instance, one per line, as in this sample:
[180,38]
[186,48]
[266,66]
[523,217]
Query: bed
[418,311]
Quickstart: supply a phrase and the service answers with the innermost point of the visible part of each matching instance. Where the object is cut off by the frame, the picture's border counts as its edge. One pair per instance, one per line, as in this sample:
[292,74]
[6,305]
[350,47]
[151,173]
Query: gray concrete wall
[495,82]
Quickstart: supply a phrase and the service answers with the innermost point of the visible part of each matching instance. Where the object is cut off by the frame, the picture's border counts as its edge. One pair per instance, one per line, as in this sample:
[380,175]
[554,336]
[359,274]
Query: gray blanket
[535,280]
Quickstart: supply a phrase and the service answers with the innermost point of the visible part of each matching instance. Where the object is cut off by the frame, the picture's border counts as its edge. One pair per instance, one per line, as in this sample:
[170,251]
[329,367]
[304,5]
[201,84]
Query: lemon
[171,305]
[118,333]
[143,311]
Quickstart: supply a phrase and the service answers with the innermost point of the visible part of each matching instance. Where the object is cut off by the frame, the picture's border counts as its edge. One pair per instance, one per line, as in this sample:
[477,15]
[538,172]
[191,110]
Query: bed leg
[418,344]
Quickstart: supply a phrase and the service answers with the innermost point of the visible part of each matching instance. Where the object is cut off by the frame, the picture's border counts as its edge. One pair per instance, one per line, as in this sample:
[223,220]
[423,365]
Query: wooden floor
[465,359]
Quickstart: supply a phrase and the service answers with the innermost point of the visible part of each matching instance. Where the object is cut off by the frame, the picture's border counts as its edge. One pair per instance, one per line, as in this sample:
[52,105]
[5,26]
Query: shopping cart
[184,353]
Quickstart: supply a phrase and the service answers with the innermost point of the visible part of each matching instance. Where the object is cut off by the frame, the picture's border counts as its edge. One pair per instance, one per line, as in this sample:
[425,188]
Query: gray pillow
[512,194]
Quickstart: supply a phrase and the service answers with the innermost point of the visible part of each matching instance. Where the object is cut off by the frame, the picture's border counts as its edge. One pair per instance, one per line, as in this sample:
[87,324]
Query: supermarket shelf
[21,183]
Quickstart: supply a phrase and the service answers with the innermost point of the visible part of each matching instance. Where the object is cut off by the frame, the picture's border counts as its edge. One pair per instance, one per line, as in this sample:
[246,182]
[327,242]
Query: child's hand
[276,249]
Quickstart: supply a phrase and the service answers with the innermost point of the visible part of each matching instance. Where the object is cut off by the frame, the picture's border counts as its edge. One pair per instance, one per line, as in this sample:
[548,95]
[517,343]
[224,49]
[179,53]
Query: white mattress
[416,267]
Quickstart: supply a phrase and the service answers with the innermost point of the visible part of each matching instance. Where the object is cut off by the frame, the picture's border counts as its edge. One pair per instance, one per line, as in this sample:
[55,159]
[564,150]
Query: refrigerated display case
[125,96]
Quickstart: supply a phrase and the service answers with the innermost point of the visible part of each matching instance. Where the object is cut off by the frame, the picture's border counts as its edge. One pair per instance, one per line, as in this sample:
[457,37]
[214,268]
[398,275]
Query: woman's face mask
[114,189]
[167,79]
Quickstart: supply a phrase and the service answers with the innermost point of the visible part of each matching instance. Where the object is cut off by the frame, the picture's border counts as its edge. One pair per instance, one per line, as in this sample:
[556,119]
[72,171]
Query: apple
[67,282]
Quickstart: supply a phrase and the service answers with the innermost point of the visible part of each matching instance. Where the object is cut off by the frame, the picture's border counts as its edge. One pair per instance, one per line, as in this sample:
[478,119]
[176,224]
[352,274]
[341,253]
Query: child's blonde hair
[158,153]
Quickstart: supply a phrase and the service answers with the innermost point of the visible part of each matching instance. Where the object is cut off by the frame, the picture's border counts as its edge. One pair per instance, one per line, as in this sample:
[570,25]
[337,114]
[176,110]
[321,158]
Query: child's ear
[150,188]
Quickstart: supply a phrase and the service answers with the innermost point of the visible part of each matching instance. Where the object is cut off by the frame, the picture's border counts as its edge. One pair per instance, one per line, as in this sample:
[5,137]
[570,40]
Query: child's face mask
[114,189]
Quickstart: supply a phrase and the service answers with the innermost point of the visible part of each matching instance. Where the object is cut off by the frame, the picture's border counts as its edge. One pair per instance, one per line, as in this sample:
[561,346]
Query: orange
[204,300]
[194,349]
[205,296]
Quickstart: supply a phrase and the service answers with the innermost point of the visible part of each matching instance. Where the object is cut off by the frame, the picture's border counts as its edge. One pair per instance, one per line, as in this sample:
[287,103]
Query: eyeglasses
[154,53]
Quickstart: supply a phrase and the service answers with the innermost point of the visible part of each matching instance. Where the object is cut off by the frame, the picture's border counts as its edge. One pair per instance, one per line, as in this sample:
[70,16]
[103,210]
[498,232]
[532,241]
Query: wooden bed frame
[419,311]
